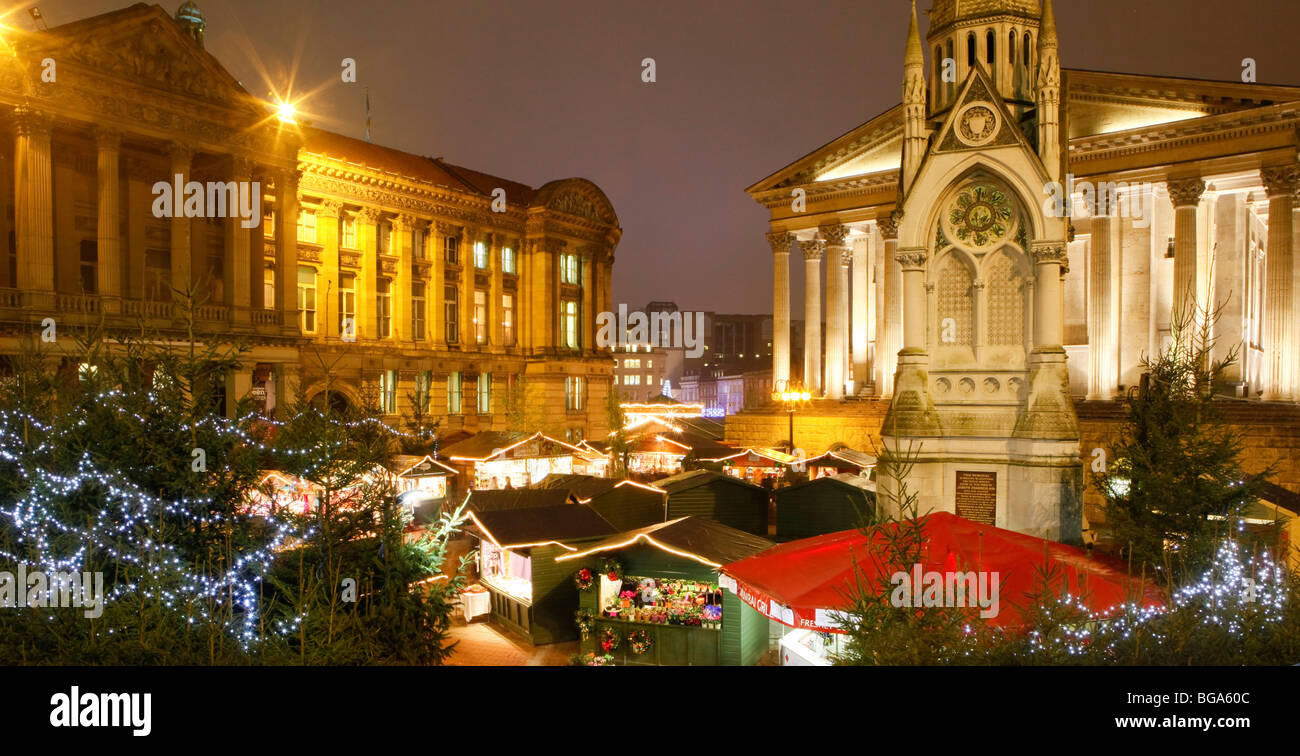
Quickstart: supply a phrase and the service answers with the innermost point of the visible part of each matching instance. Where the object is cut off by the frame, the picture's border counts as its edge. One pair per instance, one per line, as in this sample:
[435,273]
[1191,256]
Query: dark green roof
[536,525]
[705,538]
[693,478]
[515,498]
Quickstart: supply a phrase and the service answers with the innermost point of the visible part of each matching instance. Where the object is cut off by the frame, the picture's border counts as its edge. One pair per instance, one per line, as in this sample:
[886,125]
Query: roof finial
[914,54]
[1047,28]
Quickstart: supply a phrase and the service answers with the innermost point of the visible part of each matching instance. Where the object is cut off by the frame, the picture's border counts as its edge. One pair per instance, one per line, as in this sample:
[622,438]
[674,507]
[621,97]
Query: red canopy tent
[802,583]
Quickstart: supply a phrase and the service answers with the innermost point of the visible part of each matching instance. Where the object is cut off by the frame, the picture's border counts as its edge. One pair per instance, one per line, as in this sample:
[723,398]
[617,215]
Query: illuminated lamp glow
[285,112]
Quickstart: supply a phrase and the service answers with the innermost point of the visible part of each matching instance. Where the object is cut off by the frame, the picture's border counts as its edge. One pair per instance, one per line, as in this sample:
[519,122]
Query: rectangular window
[480,317]
[480,255]
[89,267]
[268,223]
[417,310]
[507,260]
[384,307]
[423,384]
[453,394]
[630,363]
[452,245]
[383,238]
[484,393]
[571,324]
[268,289]
[573,388]
[569,273]
[417,243]
[307,298]
[451,309]
[348,232]
[508,319]
[158,275]
[348,306]
[307,226]
[388,392]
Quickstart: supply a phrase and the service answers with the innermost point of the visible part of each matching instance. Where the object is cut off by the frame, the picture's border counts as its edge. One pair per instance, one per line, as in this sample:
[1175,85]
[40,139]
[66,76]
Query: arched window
[970,49]
[990,40]
[955,304]
[1011,47]
[1027,49]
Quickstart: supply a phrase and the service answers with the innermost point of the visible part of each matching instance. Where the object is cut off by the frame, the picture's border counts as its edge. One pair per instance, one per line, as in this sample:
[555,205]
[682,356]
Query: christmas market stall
[630,505]
[531,593]
[803,584]
[423,485]
[523,462]
[714,496]
[823,505]
[651,596]
[582,488]
[840,461]
[756,465]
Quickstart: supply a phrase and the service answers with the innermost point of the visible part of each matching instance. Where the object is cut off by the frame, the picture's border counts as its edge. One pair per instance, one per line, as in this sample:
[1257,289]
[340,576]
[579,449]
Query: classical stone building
[374,276]
[965,290]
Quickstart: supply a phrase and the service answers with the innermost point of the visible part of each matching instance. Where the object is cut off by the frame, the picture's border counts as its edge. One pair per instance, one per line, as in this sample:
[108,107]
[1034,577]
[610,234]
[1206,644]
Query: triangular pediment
[875,146]
[979,120]
[140,45]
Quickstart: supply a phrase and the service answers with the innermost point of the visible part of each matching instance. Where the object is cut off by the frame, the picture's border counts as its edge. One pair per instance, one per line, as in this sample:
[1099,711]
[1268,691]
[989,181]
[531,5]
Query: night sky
[535,90]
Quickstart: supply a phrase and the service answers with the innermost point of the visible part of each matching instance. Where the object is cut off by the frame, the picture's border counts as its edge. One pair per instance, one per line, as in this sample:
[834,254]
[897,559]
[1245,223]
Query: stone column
[239,260]
[181,249]
[257,248]
[1048,326]
[286,249]
[859,330]
[367,325]
[813,249]
[286,389]
[108,236]
[1103,311]
[780,242]
[329,319]
[890,328]
[588,310]
[1295,290]
[836,308]
[1186,197]
[912,263]
[34,207]
[1279,297]
[399,288]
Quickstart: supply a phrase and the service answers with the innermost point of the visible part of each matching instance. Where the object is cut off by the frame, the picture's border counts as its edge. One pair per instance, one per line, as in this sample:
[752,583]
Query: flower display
[584,579]
[639,641]
[608,640]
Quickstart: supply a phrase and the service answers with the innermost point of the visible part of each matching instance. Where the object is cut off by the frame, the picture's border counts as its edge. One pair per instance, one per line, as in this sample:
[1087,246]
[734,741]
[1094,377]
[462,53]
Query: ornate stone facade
[390,268]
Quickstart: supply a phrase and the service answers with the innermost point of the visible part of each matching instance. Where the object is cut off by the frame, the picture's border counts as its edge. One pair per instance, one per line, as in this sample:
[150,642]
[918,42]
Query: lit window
[569,270]
[451,309]
[573,389]
[417,243]
[383,238]
[480,316]
[388,392]
[571,324]
[630,363]
[484,393]
[417,310]
[307,298]
[507,260]
[268,223]
[453,394]
[508,319]
[307,226]
[384,305]
[348,305]
[480,255]
[423,384]
[348,232]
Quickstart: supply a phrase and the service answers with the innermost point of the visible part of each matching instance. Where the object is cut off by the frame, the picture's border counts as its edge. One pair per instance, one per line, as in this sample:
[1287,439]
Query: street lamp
[791,394]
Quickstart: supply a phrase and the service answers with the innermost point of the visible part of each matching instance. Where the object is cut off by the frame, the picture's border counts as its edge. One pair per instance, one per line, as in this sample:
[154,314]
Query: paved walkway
[483,644]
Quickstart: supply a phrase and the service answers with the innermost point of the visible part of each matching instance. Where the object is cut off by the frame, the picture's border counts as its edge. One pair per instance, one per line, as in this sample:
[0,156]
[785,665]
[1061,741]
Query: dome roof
[189,13]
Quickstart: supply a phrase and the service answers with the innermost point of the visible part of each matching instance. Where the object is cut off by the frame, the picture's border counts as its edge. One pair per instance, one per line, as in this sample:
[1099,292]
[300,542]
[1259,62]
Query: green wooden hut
[687,550]
[823,505]
[533,594]
[630,505]
[715,496]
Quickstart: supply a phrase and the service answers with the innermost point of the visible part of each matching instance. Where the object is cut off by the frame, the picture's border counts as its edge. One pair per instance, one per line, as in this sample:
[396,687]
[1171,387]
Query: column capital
[179,151]
[368,215]
[1280,180]
[780,241]
[447,229]
[889,224]
[403,222]
[1186,192]
[329,208]
[241,165]
[107,138]
[289,176]
[912,258]
[833,233]
[1049,252]
[30,122]
[812,249]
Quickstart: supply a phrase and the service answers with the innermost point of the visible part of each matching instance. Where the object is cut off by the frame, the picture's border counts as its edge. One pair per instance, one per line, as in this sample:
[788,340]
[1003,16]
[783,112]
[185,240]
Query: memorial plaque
[977,496]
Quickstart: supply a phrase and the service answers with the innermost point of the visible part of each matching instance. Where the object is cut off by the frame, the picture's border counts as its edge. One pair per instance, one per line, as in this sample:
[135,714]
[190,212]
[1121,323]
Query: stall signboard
[821,620]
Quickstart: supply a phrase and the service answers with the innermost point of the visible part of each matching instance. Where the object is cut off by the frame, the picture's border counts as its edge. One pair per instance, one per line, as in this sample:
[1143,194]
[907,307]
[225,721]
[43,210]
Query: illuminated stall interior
[528,461]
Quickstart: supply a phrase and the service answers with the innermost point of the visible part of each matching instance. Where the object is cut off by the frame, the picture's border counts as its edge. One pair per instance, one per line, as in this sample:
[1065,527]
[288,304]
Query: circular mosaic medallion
[977,124]
[981,215]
